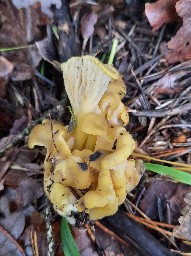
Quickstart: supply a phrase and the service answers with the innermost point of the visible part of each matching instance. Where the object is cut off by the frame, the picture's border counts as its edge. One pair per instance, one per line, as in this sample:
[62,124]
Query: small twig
[141,90]
[181,253]
[175,152]
[133,44]
[48,81]
[163,113]
[142,156]
[152,222]
[186,151]
[145,66]
[34,243]
[155,227]
[183,126]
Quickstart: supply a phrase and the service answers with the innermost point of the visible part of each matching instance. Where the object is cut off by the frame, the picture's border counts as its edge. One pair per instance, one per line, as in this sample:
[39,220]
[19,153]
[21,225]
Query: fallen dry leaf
[168,11]
[28,189]
[161,12]
[9,245]
[25,27]
[12,224]
[164,191]
[180,45]
[45,5]
[184,229]
[88,22]
[6,68]
[85,245]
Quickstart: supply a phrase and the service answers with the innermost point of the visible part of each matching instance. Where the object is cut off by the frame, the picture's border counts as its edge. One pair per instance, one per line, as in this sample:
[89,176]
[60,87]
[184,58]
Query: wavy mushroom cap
[83,77]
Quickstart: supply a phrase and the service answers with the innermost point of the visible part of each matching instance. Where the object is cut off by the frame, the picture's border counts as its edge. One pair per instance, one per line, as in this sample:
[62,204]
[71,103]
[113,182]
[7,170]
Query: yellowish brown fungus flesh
[88,169]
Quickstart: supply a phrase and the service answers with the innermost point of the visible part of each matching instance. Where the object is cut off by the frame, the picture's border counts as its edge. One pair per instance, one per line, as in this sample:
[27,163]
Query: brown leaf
[25,27]
[87,24]
[9,245]
[28,189]
[161,12]
[167,192]
[184,229]
[83,242]
[12,222]
[6,68]
[180,45]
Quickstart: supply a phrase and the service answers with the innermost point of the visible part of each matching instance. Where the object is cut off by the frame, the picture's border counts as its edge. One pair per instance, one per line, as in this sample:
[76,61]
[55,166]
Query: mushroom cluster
[87,169]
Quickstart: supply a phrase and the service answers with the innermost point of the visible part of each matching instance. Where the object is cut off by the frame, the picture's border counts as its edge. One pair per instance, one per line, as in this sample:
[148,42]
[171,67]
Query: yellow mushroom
[88,169]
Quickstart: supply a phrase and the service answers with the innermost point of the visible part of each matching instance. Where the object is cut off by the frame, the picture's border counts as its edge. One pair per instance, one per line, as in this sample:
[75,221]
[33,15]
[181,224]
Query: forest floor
[157,75]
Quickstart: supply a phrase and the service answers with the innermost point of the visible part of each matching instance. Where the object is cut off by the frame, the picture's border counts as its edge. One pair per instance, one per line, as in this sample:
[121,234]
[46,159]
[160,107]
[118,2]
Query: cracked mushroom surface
[88,169]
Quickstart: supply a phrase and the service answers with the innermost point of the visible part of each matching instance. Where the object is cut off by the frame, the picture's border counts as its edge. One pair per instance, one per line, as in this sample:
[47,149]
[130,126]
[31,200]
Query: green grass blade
[113,51]
[103,58]
[173,173]
[42,68]
[55,31]
[68,243]
[14,48]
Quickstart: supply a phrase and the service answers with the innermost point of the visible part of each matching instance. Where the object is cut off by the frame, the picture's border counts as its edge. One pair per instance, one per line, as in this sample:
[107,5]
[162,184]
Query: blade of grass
[103,58]
[42,68]
[14,48]
[55,31]
[113,51]
[68,243]
[173,173]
